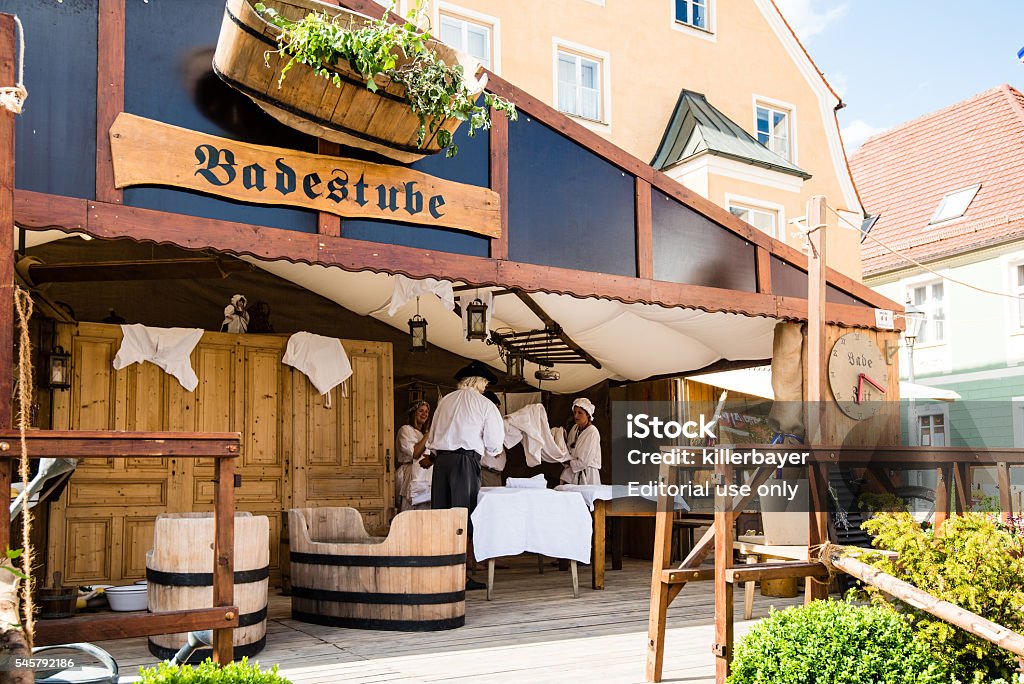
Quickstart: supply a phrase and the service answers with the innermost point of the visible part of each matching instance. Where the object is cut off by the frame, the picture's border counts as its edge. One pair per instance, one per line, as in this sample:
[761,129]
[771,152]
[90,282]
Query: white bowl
[131,597]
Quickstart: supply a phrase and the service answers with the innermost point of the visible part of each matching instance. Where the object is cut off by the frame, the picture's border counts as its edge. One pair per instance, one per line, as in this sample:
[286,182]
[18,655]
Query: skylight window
[955,204]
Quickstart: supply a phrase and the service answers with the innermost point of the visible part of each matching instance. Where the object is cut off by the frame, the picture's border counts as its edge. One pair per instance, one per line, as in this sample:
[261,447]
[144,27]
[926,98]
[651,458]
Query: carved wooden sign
[147,152]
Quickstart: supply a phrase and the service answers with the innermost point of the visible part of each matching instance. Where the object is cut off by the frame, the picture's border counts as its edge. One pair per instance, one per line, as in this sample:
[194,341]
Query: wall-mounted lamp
[59,369]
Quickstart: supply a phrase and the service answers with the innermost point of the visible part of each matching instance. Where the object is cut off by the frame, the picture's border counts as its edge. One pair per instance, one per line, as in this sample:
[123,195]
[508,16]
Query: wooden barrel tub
[350,114]
[414,580]
[179,570]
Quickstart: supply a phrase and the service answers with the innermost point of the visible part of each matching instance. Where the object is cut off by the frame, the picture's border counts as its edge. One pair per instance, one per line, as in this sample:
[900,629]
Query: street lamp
[915,319]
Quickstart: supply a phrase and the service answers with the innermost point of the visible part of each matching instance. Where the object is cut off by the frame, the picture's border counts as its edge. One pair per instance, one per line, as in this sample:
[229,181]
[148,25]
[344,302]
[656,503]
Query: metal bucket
[104,673]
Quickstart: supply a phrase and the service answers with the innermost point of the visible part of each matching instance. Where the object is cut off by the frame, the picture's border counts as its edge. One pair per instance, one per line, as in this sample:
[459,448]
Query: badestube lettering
[218,167]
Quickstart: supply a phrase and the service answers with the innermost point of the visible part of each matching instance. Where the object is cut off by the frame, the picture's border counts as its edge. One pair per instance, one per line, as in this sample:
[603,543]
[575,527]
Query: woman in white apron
[584,443]
[412,482]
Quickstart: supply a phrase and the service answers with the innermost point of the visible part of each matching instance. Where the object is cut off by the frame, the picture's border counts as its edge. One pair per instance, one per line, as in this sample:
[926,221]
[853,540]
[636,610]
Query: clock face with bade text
[858,375]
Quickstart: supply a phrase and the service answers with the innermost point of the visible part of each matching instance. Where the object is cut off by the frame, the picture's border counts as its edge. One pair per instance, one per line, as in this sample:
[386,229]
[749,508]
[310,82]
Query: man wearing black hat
[466,426]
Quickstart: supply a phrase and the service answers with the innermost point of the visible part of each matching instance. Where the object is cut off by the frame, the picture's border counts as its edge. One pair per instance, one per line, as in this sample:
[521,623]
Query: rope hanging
[12,98]
[23,306]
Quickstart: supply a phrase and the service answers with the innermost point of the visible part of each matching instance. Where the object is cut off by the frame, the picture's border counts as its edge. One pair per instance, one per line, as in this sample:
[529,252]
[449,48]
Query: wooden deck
[533,631]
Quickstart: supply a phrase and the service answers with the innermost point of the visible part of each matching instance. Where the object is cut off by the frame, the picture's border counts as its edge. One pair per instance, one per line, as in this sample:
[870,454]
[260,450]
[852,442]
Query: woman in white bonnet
[584,442]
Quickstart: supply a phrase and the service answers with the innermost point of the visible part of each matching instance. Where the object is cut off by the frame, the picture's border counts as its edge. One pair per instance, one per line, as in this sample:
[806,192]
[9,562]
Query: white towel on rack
[166,348]
[322,359]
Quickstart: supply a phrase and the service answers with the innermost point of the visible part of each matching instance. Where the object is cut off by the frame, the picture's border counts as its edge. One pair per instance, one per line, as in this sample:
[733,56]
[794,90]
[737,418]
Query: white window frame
[492,23]
[787,108]
[928,280]
[604,61]
[936,221]
[708,33]
[1016,317]
[927,411]
[753,204]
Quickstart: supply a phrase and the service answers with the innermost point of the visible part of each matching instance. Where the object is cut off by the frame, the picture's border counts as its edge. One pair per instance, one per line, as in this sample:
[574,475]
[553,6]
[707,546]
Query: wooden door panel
[138,540]
[88,544]
[366,411]
[262,370]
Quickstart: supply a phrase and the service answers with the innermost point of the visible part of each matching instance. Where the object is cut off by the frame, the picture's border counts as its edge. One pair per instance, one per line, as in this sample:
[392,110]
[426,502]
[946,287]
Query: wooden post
[1005,495]
[109,92]
[962,478]
[8,74]
[659,590]
[597,571]
[499,178]
[814,423]
[644,230]
[724,524]
[941,497]
[224,554]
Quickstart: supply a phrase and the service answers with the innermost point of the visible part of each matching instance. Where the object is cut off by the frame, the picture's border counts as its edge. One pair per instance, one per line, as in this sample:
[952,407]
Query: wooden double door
[297,451]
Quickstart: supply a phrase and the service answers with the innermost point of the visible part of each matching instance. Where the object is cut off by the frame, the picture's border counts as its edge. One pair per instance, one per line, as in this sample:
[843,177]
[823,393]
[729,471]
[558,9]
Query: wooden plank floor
[533,631]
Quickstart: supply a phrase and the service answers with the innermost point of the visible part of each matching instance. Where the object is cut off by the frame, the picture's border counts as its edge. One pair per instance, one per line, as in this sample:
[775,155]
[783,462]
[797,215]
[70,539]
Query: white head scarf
[586,405]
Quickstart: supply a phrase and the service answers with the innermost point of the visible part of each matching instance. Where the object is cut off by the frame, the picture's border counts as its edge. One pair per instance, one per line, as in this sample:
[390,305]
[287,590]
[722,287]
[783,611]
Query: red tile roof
[903,174]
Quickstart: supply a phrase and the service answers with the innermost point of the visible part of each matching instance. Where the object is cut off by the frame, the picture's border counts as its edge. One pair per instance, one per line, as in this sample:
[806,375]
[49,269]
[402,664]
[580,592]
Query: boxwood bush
[834,642]
[208,672]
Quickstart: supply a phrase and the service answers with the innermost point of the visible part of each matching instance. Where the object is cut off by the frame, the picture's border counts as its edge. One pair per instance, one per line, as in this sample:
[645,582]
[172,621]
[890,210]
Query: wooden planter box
[350,115]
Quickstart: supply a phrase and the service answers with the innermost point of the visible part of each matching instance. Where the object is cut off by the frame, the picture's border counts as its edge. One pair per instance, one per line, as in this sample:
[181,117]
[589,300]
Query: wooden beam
[499,178]
[155,269]
[104,220]
[962,478]
[724,523]
[224,554]
[109,92]
[8,75]
[327,223]
[549,322]
[773,571]
[104,627]
[1005,491]
[106,444]
[677,576]
[764,270]
[942,480]
[644,230]
[922,600]
[660,598]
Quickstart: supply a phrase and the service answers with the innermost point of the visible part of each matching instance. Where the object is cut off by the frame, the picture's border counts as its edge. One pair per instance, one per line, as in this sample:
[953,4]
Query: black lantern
[418,333]
[515,366]
[416,394]
[476,320]
[59,365]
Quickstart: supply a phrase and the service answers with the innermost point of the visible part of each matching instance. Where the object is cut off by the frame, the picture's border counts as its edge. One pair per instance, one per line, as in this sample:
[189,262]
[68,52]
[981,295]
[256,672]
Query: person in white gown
[584,443]
[412,483]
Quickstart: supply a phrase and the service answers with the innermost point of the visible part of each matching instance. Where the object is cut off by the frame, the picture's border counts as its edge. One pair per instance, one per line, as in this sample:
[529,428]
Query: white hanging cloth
[166,348]
[407,289]
[322,359]
[529,425]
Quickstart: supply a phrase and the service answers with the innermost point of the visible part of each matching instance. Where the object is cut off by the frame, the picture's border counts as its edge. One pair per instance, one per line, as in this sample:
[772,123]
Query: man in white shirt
[466,427]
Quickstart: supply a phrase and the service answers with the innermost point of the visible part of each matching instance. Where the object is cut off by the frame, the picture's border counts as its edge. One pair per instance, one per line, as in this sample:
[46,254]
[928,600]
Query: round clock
[858,375]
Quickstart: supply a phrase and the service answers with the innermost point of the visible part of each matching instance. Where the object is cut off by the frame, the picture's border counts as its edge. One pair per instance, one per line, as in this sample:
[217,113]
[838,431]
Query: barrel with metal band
[413,580]
[179,570]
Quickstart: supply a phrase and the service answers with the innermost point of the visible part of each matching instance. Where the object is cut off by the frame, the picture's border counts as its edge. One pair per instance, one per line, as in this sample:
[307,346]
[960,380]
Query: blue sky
[896,60]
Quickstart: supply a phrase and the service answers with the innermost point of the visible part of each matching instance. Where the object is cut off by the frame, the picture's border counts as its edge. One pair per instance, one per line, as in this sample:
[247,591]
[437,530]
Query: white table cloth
[508,522]
[590,493]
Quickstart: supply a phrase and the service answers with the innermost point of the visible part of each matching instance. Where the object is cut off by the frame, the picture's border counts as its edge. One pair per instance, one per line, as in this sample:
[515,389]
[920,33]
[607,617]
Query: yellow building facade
[618,67]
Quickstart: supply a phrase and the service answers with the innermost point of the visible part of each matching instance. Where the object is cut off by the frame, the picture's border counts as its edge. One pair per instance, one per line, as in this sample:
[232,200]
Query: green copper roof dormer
[696,127]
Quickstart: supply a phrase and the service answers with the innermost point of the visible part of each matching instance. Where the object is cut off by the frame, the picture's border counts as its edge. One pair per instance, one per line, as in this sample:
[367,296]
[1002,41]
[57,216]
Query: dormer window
[955,204]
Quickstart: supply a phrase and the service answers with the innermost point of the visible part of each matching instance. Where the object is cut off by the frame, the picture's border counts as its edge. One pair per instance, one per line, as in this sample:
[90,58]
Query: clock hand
[877,386]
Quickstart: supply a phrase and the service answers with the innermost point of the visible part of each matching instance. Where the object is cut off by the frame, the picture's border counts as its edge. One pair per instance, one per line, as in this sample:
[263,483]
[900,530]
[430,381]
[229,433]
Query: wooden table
[754,550]
[633,507]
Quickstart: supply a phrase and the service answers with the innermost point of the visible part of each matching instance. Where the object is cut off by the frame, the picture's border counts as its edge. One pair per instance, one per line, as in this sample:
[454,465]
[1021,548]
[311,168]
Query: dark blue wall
[690,248]
[790,281]
[55,135]
[567,206]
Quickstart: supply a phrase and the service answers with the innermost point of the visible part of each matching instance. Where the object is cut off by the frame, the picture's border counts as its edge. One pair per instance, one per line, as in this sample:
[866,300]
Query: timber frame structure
[776,271]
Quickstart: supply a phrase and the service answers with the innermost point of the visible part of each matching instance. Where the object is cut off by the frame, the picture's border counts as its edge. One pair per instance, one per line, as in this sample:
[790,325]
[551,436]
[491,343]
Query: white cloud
[856,133]
[810,17]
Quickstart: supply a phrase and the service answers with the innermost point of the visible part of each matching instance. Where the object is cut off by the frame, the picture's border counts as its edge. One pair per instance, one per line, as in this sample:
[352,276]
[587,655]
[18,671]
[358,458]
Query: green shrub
[208,672]
[976,564]
[834,642]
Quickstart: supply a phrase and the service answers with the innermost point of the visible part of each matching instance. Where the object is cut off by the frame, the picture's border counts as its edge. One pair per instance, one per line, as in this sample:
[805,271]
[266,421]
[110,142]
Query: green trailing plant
[834,642]
[208,672]
[396,52]
[977,564]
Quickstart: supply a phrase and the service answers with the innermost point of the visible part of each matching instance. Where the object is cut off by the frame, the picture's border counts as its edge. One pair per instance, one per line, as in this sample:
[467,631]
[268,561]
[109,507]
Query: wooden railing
[224,447]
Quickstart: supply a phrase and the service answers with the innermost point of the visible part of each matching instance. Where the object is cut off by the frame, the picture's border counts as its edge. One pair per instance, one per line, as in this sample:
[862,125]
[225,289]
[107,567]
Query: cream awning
[631,341]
